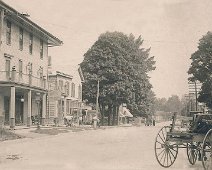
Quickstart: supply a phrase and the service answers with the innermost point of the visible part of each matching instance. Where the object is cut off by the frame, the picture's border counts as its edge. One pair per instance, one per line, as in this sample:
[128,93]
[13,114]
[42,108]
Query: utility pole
[97,98]
[195,86]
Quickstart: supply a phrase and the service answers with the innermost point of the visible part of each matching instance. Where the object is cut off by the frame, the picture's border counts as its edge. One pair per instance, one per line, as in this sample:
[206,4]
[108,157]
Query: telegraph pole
[195,86]
[97,97]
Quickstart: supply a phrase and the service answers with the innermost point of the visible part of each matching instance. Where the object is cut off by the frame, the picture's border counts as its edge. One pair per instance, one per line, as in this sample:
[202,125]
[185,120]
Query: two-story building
[65,96]
[24,67]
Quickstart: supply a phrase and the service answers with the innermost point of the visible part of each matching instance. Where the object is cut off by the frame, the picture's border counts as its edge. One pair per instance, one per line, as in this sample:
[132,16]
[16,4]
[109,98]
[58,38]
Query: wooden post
[195,86]
[97,98]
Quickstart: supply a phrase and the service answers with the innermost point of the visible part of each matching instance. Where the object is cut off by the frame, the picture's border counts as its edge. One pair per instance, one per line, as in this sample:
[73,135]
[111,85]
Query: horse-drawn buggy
[196,138]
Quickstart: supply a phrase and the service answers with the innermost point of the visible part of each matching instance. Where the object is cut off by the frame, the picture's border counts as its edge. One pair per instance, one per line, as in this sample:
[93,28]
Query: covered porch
[19,106]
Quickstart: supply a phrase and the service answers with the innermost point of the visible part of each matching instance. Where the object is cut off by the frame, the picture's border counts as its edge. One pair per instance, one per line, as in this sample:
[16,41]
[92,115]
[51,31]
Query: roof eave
[52,40]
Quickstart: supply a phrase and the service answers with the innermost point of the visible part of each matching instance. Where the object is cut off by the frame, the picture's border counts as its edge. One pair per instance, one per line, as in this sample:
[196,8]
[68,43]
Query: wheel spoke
[162,155]
[160,143]
[164,137]
[170,156]
[173,149]
[161,152]
[171,153]
[167,158]
[164,159]
[161,138]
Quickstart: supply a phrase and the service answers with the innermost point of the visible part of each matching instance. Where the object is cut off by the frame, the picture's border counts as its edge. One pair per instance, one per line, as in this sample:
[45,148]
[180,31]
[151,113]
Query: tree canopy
[173,104]
[121,66]
[201,68]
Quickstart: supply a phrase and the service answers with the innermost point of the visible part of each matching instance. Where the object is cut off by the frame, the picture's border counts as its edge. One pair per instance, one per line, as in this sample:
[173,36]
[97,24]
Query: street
[123,148]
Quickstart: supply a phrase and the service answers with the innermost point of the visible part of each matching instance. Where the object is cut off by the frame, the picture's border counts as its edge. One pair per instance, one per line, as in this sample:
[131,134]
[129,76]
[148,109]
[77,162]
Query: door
[6,110]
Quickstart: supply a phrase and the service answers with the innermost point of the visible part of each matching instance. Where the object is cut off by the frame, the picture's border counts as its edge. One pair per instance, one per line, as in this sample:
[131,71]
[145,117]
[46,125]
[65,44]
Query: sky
[172,28]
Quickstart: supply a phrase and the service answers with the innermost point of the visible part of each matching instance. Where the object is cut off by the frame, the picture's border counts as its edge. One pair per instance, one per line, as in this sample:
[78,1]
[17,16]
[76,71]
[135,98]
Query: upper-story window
[29,68]
[67,87]
[20,68]
[8,33]
[72,90]
[79,92]
[30,43]
[49,61]
[61,85]
[41,49]
[7,68]
[41,72]
[21,38]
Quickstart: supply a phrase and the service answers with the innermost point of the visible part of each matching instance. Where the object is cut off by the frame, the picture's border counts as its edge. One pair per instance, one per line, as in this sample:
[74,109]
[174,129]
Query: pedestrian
[80,120]
[153,122]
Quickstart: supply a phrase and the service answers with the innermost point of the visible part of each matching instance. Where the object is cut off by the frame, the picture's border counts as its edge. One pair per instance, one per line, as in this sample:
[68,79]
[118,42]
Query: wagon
[196,139]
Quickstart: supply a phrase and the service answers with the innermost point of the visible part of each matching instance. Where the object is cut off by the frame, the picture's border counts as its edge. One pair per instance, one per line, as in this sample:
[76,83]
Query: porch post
[29,108]
[43,109]
[65,105]
[12,107]
[56,113]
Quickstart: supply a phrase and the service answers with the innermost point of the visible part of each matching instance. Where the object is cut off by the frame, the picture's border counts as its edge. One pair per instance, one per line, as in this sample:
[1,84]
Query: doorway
[6,110]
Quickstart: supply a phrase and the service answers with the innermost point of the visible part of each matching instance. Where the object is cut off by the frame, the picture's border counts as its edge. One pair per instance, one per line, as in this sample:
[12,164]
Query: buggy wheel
[207,151]
[192,152]
[165,151]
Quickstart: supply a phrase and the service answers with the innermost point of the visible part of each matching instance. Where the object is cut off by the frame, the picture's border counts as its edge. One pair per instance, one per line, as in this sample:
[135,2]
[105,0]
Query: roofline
[61,74]
[54,40]
[81,74]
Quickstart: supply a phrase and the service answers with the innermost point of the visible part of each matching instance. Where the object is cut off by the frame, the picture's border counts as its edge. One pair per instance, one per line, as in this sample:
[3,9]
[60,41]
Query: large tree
[201,68]
[121,66]
[173,104]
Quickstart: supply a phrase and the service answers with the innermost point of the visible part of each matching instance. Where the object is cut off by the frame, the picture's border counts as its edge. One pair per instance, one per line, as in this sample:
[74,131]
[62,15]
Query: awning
[127,113]
[121,115]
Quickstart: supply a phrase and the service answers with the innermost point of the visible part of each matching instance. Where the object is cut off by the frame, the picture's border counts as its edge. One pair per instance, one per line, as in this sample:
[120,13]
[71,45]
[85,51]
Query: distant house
[23,69]
[124,114]
[65,96]
[162,116]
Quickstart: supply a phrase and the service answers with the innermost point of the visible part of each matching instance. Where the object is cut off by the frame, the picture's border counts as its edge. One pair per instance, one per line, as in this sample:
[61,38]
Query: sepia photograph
[105,85]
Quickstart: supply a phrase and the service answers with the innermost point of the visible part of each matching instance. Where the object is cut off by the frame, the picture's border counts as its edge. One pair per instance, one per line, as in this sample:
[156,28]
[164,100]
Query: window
[20,68]
[8,33]
[67,88]
[60,85]
[29,68]
[49,61]
[41,49]
[30,43]
[41,72]
[72,90]
[21,36]
[7,68]
[79,92]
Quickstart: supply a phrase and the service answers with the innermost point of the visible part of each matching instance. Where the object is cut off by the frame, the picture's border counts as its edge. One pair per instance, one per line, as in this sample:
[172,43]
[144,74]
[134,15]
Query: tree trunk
[109,114]
[102,115]
[114,115]
[117,110]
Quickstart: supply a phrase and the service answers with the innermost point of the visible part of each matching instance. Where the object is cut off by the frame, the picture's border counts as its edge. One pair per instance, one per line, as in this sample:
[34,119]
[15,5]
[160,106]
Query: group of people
[72,121]
[149,121]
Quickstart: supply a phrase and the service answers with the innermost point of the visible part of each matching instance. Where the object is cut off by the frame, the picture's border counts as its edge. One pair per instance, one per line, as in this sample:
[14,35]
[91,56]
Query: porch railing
[20,78]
